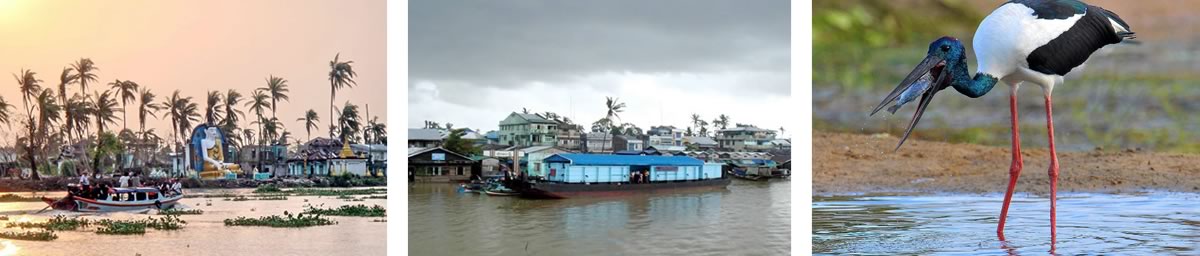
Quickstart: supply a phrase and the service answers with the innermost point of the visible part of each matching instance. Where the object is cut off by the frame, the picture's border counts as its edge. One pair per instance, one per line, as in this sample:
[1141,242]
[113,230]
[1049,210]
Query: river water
[1124,224]
[206,234]
[748,218]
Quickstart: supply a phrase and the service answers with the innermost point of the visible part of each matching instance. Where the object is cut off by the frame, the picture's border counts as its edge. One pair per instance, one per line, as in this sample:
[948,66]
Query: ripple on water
[1156,223]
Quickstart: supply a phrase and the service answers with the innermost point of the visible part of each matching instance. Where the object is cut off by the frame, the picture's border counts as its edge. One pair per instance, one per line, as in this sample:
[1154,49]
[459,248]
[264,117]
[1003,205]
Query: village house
[700,143]
[570,136]
[745,139]
[439,165]
[628,143]
[425,138]
[598,143]
[528,130]
[664,136]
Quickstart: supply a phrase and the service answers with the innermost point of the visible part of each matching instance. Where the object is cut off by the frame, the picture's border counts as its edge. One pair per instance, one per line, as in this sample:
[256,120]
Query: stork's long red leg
[1014,170]
[1053,167]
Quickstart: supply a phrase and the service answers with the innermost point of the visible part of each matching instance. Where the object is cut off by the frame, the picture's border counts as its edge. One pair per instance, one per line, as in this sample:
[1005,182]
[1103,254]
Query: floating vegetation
[210,196]
[58,223]
[174,211]
[375,197]
[267,188]
[276,221]
[326,192]
[350,210]
[29,235]
[3,217]
[132,227]
[121,228]
[379,220]
[10,198]
[244,198]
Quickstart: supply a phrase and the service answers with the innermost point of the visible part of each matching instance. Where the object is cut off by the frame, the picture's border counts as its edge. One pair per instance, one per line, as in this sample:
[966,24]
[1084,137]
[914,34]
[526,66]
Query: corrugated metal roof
[425,134]
[599,159]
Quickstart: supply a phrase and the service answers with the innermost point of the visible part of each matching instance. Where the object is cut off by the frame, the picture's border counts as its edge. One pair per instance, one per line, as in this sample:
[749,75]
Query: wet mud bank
[846,163]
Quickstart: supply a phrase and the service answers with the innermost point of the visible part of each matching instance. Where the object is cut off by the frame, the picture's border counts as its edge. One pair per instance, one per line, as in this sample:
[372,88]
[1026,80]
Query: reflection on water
[1138,224]
[206,234]
[750,218]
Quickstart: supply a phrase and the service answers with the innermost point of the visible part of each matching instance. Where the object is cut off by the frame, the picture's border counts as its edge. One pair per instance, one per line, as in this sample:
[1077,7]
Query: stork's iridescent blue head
[933,74]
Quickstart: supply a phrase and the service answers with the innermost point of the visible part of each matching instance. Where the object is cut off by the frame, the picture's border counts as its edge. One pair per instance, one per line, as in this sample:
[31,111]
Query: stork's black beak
[932,65]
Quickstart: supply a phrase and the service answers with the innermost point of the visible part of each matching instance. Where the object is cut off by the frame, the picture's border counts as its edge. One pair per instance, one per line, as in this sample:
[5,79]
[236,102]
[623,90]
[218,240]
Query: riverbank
[60,183]
[846,163]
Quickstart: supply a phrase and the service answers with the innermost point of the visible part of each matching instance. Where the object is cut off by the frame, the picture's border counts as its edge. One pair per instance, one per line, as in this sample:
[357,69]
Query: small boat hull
[501,193]
[92,205]
[146,198]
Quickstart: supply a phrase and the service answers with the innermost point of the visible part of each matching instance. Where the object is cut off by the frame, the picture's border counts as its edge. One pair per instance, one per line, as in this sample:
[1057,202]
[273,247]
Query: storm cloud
[472,62]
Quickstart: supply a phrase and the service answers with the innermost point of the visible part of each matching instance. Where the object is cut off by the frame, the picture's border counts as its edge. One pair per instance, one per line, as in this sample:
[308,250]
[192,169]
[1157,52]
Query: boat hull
[552,190]
[92,205]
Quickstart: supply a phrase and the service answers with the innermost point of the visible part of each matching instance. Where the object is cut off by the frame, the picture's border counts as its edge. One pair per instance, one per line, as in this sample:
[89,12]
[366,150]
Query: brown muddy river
[206,234]
[749,218]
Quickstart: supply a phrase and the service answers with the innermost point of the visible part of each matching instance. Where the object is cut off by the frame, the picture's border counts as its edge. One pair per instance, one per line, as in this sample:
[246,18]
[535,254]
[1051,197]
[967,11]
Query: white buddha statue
[214,156]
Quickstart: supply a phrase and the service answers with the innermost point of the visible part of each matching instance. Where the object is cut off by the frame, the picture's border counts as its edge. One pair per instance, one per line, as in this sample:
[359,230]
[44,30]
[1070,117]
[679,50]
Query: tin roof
[599,159]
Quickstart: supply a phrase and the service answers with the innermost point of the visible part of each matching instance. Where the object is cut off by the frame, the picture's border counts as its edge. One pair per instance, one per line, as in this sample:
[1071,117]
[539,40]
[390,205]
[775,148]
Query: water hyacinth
[276,221]
[29,235]
[350,210]
[58,223]
[174,211]
[10,198]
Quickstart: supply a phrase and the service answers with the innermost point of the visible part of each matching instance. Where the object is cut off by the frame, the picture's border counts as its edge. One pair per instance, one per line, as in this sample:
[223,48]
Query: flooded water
[749,218]
[1139,224]
[206,234]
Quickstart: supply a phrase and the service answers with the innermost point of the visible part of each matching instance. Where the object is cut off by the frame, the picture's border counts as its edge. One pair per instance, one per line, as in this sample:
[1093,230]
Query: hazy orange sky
[197,46]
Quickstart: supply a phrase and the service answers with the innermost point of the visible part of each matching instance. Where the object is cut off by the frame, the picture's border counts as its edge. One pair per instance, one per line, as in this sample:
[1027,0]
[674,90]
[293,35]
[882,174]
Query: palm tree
[614,107]
[310,122]
[85,72]
[377,130]
[258,104]
[349,122]
[65,79]
[80,115]
[48,114]
[105,111]
[277,89]
[341,75]
[696,121]
[233,99]
[722,121]
[127,91]
[5,114]
[182,111]
[212,109]
[29,88]
[146,107]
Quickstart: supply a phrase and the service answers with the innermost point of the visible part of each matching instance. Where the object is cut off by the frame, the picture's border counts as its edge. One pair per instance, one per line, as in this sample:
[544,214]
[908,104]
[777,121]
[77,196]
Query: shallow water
[206,234]
[749,218]
[1138,224]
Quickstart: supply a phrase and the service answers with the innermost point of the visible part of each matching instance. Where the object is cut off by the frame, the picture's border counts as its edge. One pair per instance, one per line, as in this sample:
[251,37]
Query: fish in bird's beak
[926,79]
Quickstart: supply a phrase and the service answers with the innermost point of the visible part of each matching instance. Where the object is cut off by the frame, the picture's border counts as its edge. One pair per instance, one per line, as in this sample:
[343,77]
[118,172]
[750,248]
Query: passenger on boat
[177,187]
[136,180]
[124,180]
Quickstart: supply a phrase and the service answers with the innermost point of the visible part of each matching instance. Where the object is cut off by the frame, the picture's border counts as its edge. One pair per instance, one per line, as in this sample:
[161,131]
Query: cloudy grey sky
[474,62]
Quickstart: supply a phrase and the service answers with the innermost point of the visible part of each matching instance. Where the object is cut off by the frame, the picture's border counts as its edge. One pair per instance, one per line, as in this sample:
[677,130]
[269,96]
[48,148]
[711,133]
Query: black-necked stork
[1022,41]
